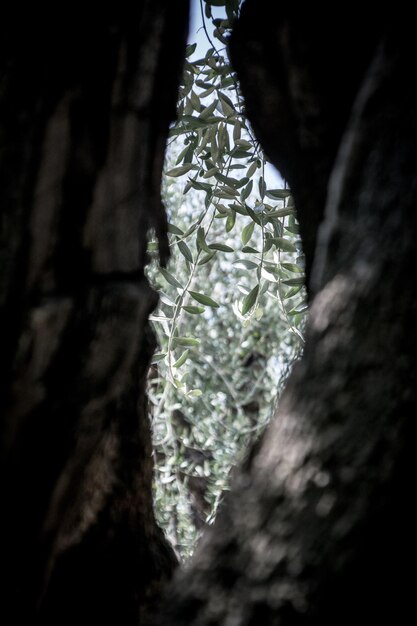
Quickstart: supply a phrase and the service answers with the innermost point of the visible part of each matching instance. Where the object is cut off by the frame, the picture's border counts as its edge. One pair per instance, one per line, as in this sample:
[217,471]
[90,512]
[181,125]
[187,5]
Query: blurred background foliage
[232,300]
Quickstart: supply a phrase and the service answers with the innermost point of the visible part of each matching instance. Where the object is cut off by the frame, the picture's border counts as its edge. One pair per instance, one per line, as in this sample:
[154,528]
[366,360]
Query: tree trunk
[86,101]
[319,526]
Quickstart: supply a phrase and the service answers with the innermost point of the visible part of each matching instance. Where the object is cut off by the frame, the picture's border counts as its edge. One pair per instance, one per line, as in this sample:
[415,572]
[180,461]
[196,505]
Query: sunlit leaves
[234,286]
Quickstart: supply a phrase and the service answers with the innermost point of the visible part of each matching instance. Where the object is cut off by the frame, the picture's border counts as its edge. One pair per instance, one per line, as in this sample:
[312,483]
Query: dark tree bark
[319,526]
[86,101]
[300,76]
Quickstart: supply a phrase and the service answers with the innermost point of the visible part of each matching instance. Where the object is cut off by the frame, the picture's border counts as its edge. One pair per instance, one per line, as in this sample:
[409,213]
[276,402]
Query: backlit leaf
[252,169]
[170,278]
[236,130]
[284,244]
[300,280]
[182,359]
[292,292]
[221,246]
[195,100]
[208,110]
[203,299]
[175,230]
[207,257]
[280,212]
[249,300]
[158,356]
[181,170]
[242,143]
[185,251]
[185,341]
[247,232]
[278,194]
[300,311]
[244,263]
[230,222]
[201,240]
[292,267]
[245,193]
[194,310]
[190,49]
[194,393]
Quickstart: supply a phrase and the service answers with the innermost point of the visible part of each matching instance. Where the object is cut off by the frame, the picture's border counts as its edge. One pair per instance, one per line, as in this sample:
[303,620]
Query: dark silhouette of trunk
[86,101]
[319,526]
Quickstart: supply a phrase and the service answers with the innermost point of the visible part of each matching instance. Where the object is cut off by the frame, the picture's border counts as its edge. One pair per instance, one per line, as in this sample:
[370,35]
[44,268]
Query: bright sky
[198,36]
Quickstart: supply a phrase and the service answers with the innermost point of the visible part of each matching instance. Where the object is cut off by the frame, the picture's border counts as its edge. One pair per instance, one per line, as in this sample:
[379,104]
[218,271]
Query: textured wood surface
[86,101]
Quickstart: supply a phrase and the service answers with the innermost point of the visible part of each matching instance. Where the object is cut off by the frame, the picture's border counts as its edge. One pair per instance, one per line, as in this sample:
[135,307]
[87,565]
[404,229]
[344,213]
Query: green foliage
[232,300]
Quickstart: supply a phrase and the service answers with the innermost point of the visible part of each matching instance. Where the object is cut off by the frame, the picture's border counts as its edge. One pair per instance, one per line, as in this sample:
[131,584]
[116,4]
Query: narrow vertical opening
[232,300]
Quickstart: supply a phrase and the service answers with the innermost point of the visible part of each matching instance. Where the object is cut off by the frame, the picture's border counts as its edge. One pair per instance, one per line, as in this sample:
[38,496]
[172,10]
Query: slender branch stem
[203,18]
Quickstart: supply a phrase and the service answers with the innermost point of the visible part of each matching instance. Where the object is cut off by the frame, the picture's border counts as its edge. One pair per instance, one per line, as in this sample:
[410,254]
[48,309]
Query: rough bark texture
[300,75]
[319,526]
[86,101]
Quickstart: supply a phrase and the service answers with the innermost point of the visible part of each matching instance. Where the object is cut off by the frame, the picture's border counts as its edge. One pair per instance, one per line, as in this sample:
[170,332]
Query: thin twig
[205,28]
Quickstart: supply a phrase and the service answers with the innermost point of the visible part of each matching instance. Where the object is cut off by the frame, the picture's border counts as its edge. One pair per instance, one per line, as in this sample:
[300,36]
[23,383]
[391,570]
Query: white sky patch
[198,36]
